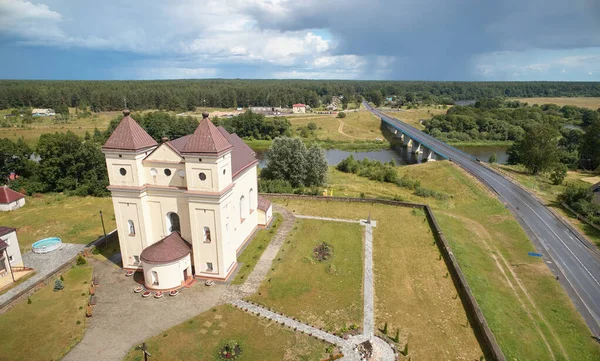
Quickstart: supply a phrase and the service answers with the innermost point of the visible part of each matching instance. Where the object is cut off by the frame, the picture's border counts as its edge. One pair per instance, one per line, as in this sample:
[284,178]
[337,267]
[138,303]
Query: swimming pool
[46,245]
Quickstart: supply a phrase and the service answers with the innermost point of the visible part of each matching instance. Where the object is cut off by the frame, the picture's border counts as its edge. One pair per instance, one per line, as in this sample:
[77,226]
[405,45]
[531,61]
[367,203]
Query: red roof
[7,195]
[206,139]
[129,135]
[242,156]
[6,230]
[263,203]
[298,105]
[169,249]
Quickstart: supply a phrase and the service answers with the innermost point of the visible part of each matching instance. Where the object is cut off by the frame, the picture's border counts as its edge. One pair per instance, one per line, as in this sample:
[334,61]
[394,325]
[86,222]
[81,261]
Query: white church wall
[168,275]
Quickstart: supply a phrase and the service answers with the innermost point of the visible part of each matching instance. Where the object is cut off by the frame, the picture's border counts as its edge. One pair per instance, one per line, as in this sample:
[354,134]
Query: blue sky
[313,39]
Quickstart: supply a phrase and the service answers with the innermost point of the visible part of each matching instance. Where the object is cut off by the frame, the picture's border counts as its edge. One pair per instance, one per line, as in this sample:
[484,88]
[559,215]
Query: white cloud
[590,73]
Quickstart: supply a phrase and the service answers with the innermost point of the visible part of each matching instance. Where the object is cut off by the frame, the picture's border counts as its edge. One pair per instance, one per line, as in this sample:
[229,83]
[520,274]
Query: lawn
[360,125]
[255,249]
[414,116]
[31,132]
[527,310]
[201,338]
[325,294]
[73,219]
[583,102]
[413,293]
[542,186]
[52,324]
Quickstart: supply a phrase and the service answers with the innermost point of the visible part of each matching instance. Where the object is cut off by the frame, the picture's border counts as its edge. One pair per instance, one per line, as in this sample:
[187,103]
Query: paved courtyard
[44,264]
[123,319]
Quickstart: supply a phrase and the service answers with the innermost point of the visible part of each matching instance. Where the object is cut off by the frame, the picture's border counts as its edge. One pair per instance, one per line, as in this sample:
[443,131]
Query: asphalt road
[564,250]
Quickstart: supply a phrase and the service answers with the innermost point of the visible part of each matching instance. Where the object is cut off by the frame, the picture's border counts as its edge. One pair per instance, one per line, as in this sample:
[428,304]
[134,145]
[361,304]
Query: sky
[449,40]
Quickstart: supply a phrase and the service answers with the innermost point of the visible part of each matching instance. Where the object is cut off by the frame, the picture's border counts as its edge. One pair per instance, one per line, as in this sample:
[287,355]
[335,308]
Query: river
[401,156]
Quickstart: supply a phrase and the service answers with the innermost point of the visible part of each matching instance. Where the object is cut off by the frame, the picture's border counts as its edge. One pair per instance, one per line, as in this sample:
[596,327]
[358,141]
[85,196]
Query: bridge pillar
[429,155]
[416,148]
[408,142]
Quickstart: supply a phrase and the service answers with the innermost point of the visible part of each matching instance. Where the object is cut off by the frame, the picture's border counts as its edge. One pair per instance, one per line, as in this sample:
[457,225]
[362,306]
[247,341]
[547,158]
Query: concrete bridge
[414,145]
[567,253]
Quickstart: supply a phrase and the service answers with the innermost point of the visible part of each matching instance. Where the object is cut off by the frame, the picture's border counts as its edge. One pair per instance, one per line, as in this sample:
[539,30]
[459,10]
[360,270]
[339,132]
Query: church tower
[124,150]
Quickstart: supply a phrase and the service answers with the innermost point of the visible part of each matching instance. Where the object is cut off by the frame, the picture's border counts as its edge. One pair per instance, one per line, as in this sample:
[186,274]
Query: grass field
[325,294]
[201,338]
[73,219]
[583,102]
[542,186]
[528,311]
[413,116]
[51,325]
[255,249]
[31,132]
[412,292]
[360,125]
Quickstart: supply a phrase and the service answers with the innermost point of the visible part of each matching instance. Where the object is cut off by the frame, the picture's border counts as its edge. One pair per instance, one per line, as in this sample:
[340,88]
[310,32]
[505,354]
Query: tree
[291,161]
[287,161]
[538,150]
[492,159]
[316,172]
[341,115]
[14,157]
[590,147]
[559,173]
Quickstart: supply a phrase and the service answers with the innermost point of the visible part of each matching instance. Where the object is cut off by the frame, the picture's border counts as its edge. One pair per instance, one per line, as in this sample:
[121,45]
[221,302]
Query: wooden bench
[95,280]
[88,311]
[93,300]
[92,290]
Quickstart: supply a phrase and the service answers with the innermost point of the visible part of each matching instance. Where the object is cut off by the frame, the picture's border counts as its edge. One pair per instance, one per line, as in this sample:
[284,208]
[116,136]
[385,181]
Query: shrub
[312,126]
[341,115]
[559,173]
[28,300]
[492,159]
[80,260]
[58,285]
[426,193]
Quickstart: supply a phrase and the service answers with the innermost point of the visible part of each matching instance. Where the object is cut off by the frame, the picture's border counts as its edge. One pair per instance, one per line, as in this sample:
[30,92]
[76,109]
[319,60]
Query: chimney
[164,139]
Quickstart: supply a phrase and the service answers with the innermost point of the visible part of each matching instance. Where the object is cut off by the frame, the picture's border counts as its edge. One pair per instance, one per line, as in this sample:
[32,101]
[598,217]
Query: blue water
[46,242]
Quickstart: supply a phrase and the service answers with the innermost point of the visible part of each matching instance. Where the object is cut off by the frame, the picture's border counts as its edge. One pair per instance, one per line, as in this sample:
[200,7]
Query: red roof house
[10,200]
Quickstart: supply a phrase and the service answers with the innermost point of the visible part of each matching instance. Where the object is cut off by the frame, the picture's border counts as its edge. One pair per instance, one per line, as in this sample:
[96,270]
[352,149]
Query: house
[10,253]
[184,208]
[43,112]
[299,108]
[596,190]
[10,200]
[265,214]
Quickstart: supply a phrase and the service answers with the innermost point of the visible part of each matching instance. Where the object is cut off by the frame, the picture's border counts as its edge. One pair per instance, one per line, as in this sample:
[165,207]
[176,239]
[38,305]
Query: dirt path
[499,259]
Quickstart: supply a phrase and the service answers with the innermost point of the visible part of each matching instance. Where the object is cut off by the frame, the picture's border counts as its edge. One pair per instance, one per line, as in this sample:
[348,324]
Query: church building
[186,207]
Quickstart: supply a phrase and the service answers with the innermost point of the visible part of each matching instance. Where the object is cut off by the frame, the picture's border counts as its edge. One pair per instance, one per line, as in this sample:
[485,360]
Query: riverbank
[349,146]
[481,143]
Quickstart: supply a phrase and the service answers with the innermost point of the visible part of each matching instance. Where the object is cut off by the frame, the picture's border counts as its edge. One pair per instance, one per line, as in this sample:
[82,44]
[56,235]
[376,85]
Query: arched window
[173,222]
[207,238]
[242,207]
[251,199]
[131,228]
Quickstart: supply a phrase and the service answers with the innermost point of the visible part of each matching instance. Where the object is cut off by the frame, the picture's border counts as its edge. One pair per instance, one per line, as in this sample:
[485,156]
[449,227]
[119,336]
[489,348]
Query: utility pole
[103,229]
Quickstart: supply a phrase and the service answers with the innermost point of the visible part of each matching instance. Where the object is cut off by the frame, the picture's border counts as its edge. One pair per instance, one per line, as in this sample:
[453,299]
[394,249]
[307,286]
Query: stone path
[381,350]
[264,263]
[44,265]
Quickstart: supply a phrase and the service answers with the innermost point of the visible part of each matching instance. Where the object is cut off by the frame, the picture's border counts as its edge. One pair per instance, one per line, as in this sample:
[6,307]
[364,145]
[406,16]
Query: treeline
[579,197]
[67,164]
[499,120]
[188,94]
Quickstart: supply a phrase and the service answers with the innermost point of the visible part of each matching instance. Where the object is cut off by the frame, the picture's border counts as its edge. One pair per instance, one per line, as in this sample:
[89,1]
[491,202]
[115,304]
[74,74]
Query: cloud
[391,39]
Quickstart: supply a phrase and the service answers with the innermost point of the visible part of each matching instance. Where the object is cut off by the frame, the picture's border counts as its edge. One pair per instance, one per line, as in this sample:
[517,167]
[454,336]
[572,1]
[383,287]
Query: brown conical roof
[129,135]
[169,249]
[206,140]
[7,195]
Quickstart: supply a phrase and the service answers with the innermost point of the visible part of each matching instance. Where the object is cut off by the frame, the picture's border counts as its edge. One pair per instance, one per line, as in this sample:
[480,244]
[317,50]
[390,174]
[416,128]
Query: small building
[299,108]
[267,110]
[596,191]
[10,200]
[10,253]
[41,112]
[265,211]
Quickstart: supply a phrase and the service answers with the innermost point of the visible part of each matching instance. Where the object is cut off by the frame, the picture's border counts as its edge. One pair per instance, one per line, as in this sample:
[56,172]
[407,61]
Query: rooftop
[7,195]
[263,203]
[129,136]
[169,249]
[6,230]
[206,139]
